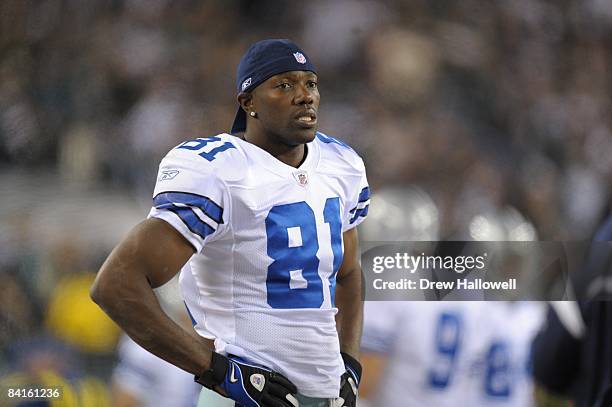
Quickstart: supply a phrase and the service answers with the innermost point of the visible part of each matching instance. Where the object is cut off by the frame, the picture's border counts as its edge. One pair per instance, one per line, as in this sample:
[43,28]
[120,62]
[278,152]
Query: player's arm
[151,254]
[349,319]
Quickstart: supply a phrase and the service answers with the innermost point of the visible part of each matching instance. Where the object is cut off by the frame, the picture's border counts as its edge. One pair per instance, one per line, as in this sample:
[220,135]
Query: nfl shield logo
[258,381]
[301,177]
[299,57]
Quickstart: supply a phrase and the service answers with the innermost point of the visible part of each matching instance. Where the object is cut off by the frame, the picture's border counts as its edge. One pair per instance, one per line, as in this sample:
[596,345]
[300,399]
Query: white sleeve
[357,208]
[136,371]
[191,197]
[381,321]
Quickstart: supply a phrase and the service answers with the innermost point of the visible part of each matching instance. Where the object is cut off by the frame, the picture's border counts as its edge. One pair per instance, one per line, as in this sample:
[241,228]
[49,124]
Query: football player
[442,353]
[263,224]
[419,353]
[449,352]
[141,379]
[501,374]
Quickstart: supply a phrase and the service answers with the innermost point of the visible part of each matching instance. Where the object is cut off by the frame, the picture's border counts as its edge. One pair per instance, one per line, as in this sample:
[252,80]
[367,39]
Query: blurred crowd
[487,108]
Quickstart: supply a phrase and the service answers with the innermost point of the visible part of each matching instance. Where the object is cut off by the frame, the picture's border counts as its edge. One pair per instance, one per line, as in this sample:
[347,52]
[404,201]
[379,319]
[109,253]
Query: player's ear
[246,100]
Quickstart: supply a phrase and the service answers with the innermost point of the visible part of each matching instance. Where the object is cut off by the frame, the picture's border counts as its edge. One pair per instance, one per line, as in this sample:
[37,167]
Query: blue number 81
[299,262]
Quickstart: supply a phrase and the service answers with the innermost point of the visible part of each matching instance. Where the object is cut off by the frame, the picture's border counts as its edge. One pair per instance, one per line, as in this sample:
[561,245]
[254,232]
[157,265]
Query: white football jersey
[151,380]
[447,353]
[268,240]
[501,376]
[429,348]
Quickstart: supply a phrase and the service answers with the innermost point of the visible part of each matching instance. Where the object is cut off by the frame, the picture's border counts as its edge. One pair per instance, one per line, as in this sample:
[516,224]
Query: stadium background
[487,109]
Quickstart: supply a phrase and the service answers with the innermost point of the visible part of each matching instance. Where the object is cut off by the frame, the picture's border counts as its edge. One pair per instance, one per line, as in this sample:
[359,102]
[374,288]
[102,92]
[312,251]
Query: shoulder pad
[217,154]
[340,152]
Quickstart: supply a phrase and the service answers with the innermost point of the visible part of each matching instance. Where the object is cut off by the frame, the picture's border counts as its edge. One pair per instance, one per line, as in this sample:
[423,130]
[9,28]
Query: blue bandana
[263,60]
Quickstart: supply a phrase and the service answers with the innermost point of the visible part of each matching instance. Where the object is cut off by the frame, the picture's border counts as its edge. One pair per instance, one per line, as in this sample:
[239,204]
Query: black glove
[349,381]
[248,384]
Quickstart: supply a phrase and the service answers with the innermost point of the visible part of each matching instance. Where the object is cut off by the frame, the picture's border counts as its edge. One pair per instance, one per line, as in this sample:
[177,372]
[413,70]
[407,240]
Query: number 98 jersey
[268,242]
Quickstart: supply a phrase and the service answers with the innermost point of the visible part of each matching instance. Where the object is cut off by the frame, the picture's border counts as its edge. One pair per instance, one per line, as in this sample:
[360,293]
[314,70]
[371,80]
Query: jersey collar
[262,158]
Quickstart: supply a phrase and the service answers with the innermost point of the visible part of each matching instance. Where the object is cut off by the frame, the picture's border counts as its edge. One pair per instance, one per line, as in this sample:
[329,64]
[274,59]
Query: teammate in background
[141,379]
[447,353]
[418,353]
[501,374]
[444,353]
[263,227]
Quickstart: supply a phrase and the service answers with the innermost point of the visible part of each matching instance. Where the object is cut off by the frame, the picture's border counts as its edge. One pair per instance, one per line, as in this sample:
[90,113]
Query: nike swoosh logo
[233,375]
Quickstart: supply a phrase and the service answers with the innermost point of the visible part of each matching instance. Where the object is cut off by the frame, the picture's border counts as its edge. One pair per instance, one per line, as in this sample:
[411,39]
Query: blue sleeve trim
[377,340]
[167,200]
[364,195]
[192,221]
[359,213]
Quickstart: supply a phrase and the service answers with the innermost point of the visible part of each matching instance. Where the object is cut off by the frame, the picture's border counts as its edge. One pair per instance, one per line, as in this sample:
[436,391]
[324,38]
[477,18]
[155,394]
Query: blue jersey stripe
[192,221]
[352,211]
[364,195]
[165,200]
[363,212]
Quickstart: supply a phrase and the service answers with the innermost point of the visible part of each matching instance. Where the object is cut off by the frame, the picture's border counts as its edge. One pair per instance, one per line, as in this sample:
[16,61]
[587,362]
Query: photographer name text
[460,284]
